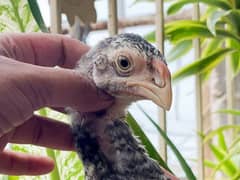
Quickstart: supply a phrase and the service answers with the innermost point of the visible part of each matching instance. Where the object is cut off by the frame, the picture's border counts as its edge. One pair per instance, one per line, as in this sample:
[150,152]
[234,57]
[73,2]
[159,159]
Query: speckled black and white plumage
[103,140]
[131,41]
[131,163]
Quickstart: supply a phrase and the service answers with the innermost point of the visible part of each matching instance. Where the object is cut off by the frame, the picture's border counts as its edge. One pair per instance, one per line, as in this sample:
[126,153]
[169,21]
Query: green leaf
[175,7]
[213,19]
[55,172]
[43,112]
[186,30]
[15,8]
[234,57]
[37,15]
[209,164]
[215,132]
[232,18]
[179,50]
[230,111]
[50,152]
[235,143]
[226,161]
[228,166]
[209,10]
[181,30]
[15,16]
[237,3]
[227,34]
[221,141]
[187,170]
[237,176]
[26,15]
[71,160]
[145,141]
[211,45]
[13,178]
[202,65]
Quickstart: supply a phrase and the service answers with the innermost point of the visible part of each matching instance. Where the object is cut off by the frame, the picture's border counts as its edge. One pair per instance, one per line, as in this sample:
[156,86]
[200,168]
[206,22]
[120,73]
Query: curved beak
[159,90]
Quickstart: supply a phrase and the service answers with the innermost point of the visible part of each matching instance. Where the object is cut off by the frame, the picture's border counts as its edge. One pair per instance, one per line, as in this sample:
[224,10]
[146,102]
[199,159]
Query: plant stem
[56,21]
[234,3]
[16,13]
[230,86]
[34,7]
[198,96]
[159,18]
[55,173]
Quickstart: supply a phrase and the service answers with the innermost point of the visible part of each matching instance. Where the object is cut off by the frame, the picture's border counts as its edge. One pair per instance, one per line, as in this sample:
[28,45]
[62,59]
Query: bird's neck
[102,117]
[109,149]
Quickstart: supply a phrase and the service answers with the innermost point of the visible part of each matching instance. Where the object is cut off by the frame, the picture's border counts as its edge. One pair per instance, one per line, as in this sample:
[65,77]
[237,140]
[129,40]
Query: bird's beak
[159,89]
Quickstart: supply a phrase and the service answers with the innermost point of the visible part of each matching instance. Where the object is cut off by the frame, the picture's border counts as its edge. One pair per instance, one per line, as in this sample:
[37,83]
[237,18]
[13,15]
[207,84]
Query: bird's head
[129,68]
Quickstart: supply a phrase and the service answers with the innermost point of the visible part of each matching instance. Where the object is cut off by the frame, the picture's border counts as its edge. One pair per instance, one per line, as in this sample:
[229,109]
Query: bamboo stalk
[159,20]
[230,86]
[55,11]
[229,90]
[112,17]
[198,87]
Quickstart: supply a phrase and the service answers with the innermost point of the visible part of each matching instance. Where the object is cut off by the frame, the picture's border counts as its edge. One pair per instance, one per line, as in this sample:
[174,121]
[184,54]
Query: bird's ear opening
[101,62]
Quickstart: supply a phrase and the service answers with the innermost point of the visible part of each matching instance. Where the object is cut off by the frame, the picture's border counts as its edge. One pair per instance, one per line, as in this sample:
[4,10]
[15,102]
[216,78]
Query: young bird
[128,68]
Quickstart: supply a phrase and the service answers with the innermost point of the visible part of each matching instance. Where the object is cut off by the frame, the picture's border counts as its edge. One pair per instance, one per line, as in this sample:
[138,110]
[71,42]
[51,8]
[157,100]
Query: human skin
[28,82]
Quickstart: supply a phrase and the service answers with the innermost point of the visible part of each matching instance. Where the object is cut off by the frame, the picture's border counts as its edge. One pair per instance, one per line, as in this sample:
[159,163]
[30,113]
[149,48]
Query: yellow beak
[159,90]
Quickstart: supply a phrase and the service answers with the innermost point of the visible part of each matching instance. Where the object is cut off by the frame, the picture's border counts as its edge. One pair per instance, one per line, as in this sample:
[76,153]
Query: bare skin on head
[128,68]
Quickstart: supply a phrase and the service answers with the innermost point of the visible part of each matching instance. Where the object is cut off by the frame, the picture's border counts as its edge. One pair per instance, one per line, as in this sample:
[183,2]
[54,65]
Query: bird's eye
[124,65]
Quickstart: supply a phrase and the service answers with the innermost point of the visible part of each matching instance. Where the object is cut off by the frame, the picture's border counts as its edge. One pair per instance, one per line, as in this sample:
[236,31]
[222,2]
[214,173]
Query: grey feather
[103,140]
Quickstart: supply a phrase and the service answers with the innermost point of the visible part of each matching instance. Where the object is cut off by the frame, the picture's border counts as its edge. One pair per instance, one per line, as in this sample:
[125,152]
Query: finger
[3,141]
[45,132]
[56,87]
[13,163]
[62,87]
[42,49]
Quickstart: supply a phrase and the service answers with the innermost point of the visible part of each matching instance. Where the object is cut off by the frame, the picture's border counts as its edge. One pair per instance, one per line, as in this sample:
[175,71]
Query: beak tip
[167,107]
[165,92]
[166,99]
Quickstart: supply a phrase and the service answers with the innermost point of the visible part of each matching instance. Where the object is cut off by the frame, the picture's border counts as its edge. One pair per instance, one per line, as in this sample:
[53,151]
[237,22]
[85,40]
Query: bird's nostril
[159,82]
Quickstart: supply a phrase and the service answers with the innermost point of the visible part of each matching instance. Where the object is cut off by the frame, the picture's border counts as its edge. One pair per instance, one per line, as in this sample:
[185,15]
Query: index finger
[45,132]
[42,49]
[14,163]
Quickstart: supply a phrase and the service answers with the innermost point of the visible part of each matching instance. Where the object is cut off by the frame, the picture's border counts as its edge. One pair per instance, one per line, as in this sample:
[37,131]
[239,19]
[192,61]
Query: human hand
[28,82]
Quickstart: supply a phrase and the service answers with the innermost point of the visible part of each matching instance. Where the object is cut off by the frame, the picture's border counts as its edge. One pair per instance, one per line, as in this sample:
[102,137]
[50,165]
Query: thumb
[66,87]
